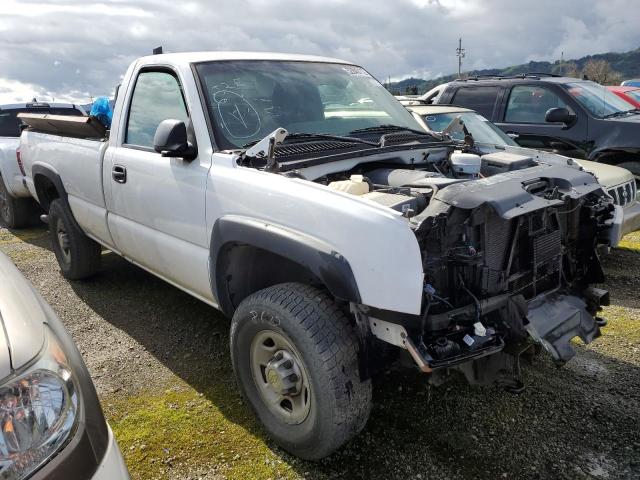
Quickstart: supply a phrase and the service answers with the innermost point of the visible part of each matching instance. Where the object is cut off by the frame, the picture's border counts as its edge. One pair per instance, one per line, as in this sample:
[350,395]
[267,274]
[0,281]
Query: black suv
[569,116]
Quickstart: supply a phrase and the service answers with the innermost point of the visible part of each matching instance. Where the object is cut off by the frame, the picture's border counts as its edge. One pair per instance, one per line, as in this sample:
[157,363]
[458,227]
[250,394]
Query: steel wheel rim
[63,240]
[274,360]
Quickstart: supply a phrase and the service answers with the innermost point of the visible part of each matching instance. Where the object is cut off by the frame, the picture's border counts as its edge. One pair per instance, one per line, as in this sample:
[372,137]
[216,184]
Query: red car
[629,94]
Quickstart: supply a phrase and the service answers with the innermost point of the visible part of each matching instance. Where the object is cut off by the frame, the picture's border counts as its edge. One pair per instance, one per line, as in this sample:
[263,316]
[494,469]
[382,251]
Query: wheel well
[245,269]
[46,190]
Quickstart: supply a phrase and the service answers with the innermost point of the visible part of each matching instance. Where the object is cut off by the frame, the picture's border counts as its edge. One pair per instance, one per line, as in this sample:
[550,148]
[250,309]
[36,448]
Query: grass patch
[18,236]
[623,322]
[161,434]
[631,241]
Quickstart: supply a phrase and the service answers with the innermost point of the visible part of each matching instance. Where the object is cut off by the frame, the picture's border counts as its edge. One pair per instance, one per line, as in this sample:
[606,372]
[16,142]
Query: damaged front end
[509,262]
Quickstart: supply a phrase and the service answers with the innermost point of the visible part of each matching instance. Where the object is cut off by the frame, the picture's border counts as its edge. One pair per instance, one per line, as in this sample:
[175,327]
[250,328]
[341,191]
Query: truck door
[523,118]
[156,205]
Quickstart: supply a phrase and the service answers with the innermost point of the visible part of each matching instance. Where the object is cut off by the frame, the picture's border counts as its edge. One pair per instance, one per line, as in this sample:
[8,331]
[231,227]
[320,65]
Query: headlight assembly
[38,411]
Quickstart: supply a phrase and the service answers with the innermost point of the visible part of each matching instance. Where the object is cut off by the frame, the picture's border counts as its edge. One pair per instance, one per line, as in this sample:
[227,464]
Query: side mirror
[171,140]
[559,115]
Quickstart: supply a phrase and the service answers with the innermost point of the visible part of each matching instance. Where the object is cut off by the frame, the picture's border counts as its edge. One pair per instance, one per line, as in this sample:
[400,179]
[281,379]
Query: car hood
[22,319]
[608,175]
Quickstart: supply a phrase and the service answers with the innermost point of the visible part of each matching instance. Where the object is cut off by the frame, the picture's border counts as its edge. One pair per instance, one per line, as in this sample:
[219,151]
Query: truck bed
[78,162]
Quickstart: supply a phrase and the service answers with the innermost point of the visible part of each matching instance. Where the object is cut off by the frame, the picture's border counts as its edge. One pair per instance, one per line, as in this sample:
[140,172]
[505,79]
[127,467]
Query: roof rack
[532,75]
[544,74]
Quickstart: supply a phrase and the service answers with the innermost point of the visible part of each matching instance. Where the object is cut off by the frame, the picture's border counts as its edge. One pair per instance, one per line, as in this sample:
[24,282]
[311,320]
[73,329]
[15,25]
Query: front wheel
[295,358]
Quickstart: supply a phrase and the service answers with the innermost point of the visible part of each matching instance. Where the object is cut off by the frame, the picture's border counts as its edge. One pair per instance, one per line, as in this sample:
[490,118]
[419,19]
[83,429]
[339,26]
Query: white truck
[17,208]
[296,195]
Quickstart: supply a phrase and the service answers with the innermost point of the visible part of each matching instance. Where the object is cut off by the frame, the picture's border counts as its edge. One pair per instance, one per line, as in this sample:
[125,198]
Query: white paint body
[11,174]
[162,217]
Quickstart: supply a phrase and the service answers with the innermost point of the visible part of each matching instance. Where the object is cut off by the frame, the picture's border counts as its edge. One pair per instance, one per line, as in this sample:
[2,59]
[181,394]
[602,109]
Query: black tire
[15,212]
[325,340]
[77,255]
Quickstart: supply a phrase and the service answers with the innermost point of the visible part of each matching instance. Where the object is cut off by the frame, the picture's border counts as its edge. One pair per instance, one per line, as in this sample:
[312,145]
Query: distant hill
[627,64]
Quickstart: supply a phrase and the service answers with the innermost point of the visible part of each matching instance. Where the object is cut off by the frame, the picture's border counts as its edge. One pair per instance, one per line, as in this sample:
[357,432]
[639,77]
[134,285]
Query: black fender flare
[329,266]
[54,178]
[43,198]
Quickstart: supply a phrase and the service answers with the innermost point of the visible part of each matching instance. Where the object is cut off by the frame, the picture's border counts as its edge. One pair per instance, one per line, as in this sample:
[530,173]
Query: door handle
[119,173]
[513,134]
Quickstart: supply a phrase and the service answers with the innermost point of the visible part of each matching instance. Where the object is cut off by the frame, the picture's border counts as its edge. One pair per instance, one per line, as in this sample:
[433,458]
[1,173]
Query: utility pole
[460,55]
[562,63]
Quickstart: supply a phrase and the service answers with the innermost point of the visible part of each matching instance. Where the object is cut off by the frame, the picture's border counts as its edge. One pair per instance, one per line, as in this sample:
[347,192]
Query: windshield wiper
[391,128]
[318,136]
[621,113]
[327,136]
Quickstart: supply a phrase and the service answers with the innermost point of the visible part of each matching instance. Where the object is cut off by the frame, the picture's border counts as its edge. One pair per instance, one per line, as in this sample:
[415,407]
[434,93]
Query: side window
[480,99]
[157,97]
[529,104]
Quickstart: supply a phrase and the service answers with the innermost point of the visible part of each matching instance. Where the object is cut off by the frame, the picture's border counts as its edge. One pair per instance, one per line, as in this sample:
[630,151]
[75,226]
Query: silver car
[51,422]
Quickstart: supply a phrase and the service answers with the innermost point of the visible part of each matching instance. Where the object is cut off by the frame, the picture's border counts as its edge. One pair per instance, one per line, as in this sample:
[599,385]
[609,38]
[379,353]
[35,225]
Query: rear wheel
[15,212]
[77,255]
[295,357]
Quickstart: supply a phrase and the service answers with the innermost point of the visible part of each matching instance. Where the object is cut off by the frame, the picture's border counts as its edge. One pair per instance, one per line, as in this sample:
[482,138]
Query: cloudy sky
[73,49]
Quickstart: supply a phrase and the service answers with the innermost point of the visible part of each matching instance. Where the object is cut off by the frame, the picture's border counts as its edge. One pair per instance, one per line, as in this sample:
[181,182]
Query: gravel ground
[160,362]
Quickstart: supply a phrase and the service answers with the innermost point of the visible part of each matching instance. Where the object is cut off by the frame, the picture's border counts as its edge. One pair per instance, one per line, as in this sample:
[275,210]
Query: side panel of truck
[81,173]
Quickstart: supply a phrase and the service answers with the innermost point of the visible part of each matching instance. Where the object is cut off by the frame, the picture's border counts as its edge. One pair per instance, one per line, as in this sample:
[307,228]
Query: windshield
[600,101]
[248,100]
[481,129]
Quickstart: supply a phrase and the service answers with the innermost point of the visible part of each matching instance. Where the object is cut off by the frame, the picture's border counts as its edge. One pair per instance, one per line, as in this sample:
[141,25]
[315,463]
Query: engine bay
[409,190]
[500,234]
[509,244]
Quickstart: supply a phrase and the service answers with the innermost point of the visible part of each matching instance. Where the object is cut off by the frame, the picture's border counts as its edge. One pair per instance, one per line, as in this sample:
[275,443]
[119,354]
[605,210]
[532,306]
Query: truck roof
[194,57]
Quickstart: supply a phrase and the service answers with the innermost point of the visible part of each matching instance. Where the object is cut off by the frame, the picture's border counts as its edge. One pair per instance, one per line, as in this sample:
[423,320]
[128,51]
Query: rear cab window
[482,98]
[10,123]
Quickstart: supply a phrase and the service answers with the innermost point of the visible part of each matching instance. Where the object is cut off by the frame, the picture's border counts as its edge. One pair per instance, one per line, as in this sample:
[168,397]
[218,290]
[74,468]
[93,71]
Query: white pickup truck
[296,195]
[16,204]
